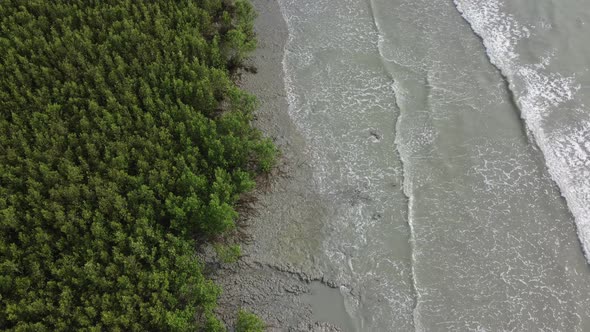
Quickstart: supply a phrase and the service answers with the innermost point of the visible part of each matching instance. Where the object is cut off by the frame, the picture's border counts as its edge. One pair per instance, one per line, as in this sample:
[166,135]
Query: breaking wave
[541,95]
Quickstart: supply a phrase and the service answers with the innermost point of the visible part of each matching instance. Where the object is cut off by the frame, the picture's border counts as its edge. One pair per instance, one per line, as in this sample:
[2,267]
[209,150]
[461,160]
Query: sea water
[452,141]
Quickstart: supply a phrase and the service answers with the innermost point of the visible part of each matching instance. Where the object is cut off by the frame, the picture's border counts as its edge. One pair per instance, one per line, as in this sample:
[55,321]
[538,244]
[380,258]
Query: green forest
[124,145]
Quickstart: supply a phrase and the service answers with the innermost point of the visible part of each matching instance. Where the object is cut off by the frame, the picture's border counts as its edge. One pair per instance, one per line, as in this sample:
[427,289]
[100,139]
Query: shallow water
[327,305]
[341,98]
[444,134]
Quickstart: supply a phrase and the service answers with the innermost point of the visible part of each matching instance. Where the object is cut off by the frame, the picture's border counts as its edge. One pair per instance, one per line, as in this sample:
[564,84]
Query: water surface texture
[341,98]
[453,143]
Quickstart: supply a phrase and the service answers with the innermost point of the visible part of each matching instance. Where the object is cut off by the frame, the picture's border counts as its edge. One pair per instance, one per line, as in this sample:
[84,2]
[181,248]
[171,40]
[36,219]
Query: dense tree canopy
[122,137]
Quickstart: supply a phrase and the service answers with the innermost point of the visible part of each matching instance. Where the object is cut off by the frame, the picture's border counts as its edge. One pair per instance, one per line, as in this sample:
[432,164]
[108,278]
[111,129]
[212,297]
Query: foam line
[539,93]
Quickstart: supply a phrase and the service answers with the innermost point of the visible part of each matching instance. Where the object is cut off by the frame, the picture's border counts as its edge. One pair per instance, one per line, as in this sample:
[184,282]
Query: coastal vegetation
[248,322]
[124,144]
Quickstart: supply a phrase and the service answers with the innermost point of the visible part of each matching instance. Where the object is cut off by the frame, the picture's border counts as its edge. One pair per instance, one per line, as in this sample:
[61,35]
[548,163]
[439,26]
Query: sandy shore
[278,272]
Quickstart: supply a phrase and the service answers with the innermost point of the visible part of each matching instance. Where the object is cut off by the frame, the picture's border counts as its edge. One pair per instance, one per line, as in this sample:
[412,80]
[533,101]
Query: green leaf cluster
[249,322]
[122,139]
[228,253]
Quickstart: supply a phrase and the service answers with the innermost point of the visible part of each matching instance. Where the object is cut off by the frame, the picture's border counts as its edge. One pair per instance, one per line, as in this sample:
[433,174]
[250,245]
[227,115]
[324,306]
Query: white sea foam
[336,96]
[541,94]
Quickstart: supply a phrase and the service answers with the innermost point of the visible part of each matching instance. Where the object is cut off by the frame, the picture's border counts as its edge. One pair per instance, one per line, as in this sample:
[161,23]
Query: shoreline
[284,273]
[277,275]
